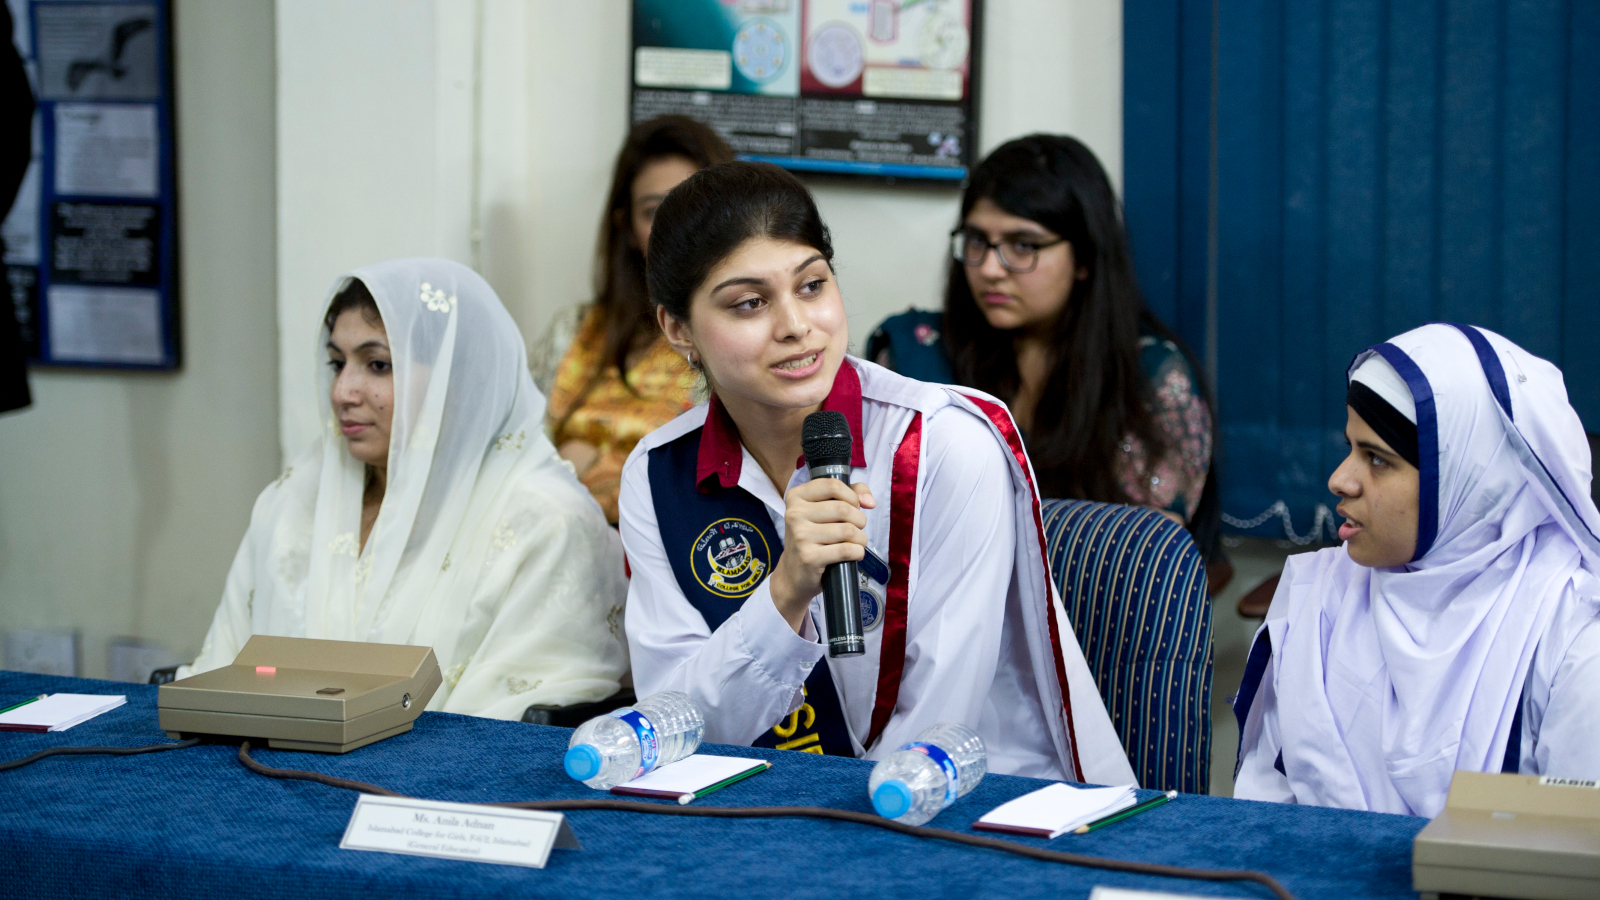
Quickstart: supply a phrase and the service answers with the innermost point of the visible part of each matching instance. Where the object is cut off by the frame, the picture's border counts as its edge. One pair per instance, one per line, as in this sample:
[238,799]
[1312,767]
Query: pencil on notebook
[723,783]
[1115,817]
[23,703]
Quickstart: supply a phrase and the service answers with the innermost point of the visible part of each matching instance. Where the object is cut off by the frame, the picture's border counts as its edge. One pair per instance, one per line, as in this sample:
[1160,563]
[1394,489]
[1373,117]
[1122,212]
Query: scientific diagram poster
[90,244]
[881,88]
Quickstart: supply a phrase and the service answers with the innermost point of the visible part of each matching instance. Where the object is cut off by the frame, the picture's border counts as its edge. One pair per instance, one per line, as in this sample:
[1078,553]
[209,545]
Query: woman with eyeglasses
[1043,311]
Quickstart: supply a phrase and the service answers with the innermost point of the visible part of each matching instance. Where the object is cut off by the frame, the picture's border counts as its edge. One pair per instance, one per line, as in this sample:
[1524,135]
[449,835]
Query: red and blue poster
[882,88]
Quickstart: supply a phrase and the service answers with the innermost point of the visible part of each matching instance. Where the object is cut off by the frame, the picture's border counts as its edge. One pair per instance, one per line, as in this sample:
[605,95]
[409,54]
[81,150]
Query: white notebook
[691,777]
[58,712]
[1056,809]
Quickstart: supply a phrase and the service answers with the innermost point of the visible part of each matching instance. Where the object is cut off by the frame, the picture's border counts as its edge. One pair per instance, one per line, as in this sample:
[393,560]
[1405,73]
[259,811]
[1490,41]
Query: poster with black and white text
[91,241]
[882,88]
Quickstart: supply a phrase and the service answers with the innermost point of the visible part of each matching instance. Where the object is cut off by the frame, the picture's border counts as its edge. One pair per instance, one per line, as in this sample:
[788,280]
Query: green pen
[1118,816]
[23,703]
[687,798]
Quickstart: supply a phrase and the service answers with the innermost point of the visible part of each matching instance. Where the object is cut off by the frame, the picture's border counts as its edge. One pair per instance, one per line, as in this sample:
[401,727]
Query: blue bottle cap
[892,799]
[582,762]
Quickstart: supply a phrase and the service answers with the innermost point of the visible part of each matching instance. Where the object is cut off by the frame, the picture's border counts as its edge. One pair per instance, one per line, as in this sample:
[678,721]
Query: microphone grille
[825,438]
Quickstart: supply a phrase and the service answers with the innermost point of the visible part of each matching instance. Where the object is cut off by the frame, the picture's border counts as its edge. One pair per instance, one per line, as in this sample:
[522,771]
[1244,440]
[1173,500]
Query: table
[195,823]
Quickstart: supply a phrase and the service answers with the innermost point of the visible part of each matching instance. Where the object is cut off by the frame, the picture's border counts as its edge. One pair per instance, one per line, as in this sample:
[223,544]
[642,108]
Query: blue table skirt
[195,823]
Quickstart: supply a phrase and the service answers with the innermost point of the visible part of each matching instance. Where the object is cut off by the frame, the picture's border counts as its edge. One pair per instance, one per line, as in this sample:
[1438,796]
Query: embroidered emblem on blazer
[730,557]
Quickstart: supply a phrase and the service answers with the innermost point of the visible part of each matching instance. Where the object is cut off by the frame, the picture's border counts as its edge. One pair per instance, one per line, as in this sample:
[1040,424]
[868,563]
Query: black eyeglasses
[1018,255]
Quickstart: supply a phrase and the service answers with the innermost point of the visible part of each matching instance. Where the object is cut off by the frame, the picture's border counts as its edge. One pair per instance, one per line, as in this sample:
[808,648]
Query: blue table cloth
[196,823]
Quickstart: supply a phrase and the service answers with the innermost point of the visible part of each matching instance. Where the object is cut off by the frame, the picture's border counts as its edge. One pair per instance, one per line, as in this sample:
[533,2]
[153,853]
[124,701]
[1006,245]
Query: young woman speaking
[728,536]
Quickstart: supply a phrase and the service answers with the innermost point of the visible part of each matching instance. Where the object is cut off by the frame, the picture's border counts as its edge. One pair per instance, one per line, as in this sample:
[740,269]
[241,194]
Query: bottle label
[649,747]
[951,776]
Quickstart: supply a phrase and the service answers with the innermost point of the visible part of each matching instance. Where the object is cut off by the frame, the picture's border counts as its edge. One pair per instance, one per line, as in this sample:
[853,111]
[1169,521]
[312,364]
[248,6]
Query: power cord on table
[813,812]
[94,751]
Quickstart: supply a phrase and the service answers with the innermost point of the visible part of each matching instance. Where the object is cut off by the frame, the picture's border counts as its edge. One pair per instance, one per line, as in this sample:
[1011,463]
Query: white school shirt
[967,656]
[1560,713]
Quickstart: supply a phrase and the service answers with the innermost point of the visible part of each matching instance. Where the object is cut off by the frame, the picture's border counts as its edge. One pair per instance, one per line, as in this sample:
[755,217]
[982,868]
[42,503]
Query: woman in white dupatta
[482,543]
[1373,680]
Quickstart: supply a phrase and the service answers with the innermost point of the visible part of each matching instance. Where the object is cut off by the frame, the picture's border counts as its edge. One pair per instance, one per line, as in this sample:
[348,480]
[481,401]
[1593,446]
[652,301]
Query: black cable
[99,751]
[813,812]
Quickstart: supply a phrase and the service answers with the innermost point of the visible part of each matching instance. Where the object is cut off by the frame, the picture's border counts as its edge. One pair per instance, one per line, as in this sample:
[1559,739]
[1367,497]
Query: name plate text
[464,831]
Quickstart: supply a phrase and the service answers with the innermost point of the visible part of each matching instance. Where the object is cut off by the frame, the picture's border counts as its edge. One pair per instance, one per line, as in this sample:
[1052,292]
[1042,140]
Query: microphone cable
[811,812]
[95,751]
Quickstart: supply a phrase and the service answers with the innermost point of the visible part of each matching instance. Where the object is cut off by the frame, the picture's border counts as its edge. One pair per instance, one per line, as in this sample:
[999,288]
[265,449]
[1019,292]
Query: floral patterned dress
[615,413]
[1175,481]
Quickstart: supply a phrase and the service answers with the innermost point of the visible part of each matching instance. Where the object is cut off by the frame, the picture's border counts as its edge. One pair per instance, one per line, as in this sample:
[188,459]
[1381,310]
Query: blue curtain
[1305,178]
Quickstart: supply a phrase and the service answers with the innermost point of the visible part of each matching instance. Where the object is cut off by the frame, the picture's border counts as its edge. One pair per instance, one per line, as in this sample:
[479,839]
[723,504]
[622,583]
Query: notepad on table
[694,776]
[58,712]
[1056,809]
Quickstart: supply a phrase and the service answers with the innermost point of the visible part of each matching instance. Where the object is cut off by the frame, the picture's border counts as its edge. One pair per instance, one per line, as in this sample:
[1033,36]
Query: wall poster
[883,88]
[91,246]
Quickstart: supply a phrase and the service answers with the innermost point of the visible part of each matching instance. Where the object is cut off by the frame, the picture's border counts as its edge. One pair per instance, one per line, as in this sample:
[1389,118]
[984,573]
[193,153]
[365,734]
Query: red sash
[902,519]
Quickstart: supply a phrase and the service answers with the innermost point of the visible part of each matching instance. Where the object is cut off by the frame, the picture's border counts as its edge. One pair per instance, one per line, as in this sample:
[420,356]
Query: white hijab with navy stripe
[1389,680]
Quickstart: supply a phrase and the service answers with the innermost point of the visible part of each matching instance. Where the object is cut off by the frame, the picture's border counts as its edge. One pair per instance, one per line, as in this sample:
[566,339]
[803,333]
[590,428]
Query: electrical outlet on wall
[43,651]
[133,659]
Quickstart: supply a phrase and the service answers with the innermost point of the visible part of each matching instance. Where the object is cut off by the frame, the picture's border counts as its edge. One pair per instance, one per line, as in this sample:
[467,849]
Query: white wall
[123,496]
[376,150]
[374,139]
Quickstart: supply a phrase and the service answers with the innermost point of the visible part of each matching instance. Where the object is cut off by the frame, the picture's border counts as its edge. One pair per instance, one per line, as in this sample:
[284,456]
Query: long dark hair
[621,299]
[708,216]
[1096,393]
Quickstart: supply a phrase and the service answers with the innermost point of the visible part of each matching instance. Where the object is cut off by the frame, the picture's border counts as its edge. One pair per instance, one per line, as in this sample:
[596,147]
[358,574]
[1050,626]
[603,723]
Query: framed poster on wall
[880,88]
[91,242]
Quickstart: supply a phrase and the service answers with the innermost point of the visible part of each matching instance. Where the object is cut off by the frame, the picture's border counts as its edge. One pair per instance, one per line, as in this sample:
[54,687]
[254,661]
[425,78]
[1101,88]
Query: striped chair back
[1134,587]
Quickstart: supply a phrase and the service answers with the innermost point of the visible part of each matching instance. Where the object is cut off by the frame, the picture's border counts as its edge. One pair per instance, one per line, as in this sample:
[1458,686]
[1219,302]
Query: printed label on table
[1553,781]
[1101,892]
[465,831]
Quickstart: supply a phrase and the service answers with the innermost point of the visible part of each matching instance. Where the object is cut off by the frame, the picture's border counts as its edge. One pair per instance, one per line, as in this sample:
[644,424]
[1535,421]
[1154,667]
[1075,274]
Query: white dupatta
[485,548]
[1384,682]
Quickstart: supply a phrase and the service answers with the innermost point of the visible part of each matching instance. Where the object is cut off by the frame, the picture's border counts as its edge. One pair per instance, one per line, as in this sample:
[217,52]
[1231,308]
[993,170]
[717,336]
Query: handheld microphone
[826,441]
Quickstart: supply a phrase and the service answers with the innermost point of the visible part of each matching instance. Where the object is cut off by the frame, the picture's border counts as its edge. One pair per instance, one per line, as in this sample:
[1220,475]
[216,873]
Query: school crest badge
[730,557]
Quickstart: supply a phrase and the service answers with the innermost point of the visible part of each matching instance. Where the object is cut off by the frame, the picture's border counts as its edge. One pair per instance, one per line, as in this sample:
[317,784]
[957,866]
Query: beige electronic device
[305,694]
[1515,836]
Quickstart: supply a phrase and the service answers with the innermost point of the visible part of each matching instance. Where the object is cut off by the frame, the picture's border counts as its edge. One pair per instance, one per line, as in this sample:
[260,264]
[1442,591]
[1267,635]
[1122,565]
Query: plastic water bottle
[913,784]
[626,743]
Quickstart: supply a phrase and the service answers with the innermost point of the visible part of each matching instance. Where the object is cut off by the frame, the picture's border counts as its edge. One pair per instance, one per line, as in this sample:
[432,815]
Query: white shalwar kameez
[486,548]
[1368,688]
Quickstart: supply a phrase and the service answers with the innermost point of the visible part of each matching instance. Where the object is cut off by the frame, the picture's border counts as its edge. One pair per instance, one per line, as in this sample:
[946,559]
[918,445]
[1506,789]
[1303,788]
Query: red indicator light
[266,670]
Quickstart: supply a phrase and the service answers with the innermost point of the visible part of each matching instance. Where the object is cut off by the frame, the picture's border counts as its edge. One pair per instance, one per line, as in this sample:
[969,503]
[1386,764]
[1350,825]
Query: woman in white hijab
[1458,627]
[433,510]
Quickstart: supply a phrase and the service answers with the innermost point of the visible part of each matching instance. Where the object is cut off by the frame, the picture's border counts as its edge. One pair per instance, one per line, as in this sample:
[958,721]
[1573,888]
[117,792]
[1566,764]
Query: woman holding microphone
[728,537]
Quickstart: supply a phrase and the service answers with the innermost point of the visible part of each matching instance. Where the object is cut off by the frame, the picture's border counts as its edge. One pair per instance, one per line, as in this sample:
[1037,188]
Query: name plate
[465,831]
